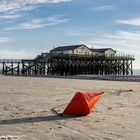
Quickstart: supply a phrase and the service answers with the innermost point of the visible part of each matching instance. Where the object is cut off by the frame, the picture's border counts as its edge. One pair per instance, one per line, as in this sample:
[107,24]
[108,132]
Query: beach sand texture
[29,106]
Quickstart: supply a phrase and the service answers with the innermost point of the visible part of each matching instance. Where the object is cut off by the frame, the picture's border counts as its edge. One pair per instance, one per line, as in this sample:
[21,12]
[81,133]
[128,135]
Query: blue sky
[29,27]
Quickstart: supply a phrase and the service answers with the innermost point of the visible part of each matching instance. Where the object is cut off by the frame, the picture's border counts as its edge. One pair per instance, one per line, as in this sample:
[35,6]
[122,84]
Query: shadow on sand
[35,119]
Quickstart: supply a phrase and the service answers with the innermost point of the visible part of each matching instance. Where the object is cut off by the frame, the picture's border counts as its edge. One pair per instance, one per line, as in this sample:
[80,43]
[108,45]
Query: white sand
[26,105]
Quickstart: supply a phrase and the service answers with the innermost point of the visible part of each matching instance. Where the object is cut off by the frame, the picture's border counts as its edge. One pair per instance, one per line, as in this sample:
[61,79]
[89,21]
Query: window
[87,53]
[79,50]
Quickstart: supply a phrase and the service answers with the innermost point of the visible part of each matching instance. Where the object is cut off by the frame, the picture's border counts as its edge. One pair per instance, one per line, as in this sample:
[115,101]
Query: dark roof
[102,50]
[64,48]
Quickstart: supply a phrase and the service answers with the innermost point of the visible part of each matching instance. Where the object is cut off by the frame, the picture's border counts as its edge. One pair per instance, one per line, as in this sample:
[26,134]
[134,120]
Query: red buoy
[82,103]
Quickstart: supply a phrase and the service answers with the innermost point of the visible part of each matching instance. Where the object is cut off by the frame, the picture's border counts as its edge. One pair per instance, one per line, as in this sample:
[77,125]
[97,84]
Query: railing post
[18,68]
[3,65]
[12,68]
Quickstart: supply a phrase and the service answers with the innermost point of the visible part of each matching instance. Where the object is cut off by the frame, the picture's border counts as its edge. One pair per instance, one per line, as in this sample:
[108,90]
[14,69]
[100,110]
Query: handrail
[108,56]
[20,60]
[127,56]
[10,60]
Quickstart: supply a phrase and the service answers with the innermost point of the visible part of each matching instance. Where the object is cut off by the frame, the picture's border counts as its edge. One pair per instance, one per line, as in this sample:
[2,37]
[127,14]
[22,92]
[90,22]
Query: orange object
[82,103]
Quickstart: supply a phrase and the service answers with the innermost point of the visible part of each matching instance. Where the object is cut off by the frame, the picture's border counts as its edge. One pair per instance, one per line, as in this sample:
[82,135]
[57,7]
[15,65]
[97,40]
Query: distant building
[72,60]
[73,49]
[104,51]
[82,50]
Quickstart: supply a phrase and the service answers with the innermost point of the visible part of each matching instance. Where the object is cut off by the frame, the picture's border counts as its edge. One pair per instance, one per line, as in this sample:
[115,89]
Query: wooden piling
[70,65]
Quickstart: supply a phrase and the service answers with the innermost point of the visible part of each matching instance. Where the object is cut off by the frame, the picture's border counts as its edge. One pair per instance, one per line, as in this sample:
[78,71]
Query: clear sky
[28,27]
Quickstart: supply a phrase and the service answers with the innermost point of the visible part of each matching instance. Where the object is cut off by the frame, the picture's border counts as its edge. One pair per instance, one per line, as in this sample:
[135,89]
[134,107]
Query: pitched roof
[64,48]
[102,50]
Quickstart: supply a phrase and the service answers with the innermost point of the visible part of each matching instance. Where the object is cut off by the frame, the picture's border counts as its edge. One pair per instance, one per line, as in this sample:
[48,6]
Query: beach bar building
[79,59]
[71,50]
[82,50]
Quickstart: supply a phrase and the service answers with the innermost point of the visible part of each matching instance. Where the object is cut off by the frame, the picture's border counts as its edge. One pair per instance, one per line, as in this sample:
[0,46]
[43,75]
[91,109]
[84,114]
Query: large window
[80,50]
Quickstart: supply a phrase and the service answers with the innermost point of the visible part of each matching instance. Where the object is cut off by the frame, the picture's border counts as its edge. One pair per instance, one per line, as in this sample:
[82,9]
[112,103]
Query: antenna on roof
[42,45]
[92,49]
[42,50]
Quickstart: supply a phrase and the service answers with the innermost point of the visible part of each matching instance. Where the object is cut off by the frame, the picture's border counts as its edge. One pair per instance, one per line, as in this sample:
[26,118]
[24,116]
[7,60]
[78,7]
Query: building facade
[82,50]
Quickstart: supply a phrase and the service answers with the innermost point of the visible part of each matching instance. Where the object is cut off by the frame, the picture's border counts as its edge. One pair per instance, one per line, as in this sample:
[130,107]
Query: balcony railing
[10,60]
[109,56]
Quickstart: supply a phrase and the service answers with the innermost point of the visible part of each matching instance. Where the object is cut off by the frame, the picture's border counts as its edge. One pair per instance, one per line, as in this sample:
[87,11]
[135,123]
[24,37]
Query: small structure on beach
[79,59]
[104,52]
[73,49]
[82,50]
[72,60]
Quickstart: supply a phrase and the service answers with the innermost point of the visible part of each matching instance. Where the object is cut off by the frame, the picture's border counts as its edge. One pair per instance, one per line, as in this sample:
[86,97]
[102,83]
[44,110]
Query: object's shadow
[35,119]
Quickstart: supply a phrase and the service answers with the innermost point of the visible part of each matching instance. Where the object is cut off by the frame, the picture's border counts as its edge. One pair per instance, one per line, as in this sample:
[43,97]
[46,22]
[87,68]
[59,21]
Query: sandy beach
[29,106]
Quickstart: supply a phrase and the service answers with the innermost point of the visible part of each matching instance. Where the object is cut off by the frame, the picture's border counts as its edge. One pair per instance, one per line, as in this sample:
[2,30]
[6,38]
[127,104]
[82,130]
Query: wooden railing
[109,56]
[10,60]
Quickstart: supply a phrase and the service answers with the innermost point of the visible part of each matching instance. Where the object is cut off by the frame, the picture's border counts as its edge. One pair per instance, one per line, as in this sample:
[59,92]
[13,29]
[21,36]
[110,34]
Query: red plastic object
[82,103]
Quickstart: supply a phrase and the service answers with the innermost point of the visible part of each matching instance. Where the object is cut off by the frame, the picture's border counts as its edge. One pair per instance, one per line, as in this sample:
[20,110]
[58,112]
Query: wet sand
[28,107]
